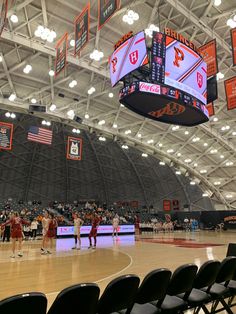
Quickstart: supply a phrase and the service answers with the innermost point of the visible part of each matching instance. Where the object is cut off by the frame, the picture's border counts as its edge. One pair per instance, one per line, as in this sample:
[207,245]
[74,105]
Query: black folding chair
[219,290]
[231,250]
[152,289]
[179,289]
[28,303]
[119,295]
[83,298]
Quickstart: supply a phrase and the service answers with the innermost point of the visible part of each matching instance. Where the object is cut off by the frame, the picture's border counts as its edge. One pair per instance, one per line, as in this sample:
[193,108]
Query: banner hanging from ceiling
[106,8]
[3,14]
[233,40]
[166,205]
[61,54]
[74,148]
[82,29]
[6,133]
[211,109]
[230,92]
[208,52]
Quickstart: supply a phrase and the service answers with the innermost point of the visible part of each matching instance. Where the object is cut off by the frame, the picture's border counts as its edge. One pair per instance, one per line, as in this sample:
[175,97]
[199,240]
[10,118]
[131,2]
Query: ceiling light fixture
[144,155]
[215,119]
[96,55]
[169,151]
[91,90]
[150,141]
[229,163]
[139,135]
[101,122]
[102,138]
[161,163]
[110,95]
[27,69]
[12,97]
[73,83]
[72,42]
[33,101]
[220,76]
[14,18]
[114,125]
[53,107]
[192,183]
[71,113]
[125,146]
[202,171]
[45,33]
[178,172]
[152,28]
[130,17]
[86,116]
[51,72]
[128,132]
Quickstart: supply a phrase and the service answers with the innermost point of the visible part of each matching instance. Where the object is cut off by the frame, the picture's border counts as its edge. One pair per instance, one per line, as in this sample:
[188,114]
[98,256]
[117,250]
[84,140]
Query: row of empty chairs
[160,292]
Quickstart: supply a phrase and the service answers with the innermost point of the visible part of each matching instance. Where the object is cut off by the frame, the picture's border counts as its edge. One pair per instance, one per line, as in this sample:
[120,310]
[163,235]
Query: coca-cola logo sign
[149,88]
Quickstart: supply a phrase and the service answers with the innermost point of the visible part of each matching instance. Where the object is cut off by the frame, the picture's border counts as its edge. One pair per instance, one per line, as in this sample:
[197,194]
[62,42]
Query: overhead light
[186,132]
[161,163]
[196,139]
[48,123]
[152,28]
[225,128]
[192,183]
[45,33]
[72,42]
[213,151]
[71,113]
[205,144]
[51,73]
[128,132]
[102,138]
[205,194]
[7,114]
[96,55]
[150,141]
[76,131]
[27,68]
[215,119]
[217,3]
[12,97]
[101,122]
[122,105]
[110,95]
[1,58]
[234,133]
[178,172]
[125,146]
[73,83]
[228,195]
[130,17]
[174,128]
[202,171]
[144,155]
[33,101]
[195,165]
[91,90]
[52,107]
[14,18]
[139,135]
[86,116]
[44,122]
[188,160]
[222,156]
[179,154]
[10,115]
[169,151]
[160,144]
[229,163]
[217,183]
[114,125]
[219,76]
[231,23]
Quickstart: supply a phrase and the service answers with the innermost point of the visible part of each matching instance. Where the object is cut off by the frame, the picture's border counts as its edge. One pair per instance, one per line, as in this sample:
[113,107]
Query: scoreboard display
[129,56]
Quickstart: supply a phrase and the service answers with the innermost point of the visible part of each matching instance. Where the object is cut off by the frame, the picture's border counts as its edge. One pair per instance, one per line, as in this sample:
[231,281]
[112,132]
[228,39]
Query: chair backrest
[207,274]
[182,280]
[227,270]
[231,251]
[119,294]
[82,297]
[27,303]
[153,286]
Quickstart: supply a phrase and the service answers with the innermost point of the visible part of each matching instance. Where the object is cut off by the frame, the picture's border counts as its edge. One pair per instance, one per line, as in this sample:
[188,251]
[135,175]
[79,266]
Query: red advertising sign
[211,109]
[82,29]
[61,54]
[106,8]
[3,14]
[230,92]
[6,133]
[208,52]
[233,40]
[74,148]
[166,205]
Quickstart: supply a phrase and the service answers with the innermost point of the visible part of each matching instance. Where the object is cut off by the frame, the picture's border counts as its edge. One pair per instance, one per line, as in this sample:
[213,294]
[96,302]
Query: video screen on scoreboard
[129,56]
[185,69]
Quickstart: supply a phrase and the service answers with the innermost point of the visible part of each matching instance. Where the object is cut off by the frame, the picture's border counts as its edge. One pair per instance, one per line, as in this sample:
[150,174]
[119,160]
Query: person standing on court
[93,233]
[115,224]
[78,222]
[45,225]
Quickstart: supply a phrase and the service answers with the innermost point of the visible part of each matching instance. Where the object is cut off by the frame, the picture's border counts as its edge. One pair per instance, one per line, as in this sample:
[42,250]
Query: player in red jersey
[93,233]
[51,231]
[16,232]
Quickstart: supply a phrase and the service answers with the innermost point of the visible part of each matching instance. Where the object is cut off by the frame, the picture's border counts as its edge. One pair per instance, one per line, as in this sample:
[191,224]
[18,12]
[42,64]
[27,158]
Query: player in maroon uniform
[51,230]
[16,232]
[93,233]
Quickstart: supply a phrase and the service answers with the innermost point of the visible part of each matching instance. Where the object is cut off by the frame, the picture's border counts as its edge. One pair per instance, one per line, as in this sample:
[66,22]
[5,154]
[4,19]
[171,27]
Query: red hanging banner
[230,92]
[233,40]
[82,23]
[61,54]
[211,109]
[208,52]
[74,148]
[3,14]
[6,133]
[166,205]
[106,8]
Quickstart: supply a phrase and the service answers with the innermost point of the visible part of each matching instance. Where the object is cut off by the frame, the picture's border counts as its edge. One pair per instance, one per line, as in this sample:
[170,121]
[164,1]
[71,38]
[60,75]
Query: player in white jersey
[78,222]
[115,224]
[45,225]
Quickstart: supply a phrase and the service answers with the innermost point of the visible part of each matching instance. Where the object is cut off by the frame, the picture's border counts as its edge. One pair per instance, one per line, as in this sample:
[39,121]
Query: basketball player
[115,224]
[45,224]
[16,232]
[93,233]
[78,222]
[51,231]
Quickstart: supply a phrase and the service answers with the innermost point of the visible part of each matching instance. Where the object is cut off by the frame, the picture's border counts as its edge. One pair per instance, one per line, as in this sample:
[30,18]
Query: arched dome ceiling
[198,20]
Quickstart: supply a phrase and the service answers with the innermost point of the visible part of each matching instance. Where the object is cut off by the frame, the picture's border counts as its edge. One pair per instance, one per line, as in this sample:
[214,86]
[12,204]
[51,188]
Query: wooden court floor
[123,255]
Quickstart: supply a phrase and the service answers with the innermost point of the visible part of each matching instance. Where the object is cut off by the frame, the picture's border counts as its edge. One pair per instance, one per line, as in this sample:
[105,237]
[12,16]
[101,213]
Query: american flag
[40,135]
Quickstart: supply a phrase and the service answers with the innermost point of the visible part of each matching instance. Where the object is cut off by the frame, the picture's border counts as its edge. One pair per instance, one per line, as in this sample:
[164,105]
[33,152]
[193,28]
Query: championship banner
[6,133]
[61,54]
[3,8]
[106,8]
[74,148]
[233,40]
[211,109]
[175,204]
[208,52]
[230,92]
[82,29]
[166,205]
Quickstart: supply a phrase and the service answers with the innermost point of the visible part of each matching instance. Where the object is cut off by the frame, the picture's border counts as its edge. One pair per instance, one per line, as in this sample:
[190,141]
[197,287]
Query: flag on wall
[233,40]
[82,29]
[61,54]
[74,148]
[40,135]
[3,14]
[230,92]
[106,8]
[209,55]
[6,133]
